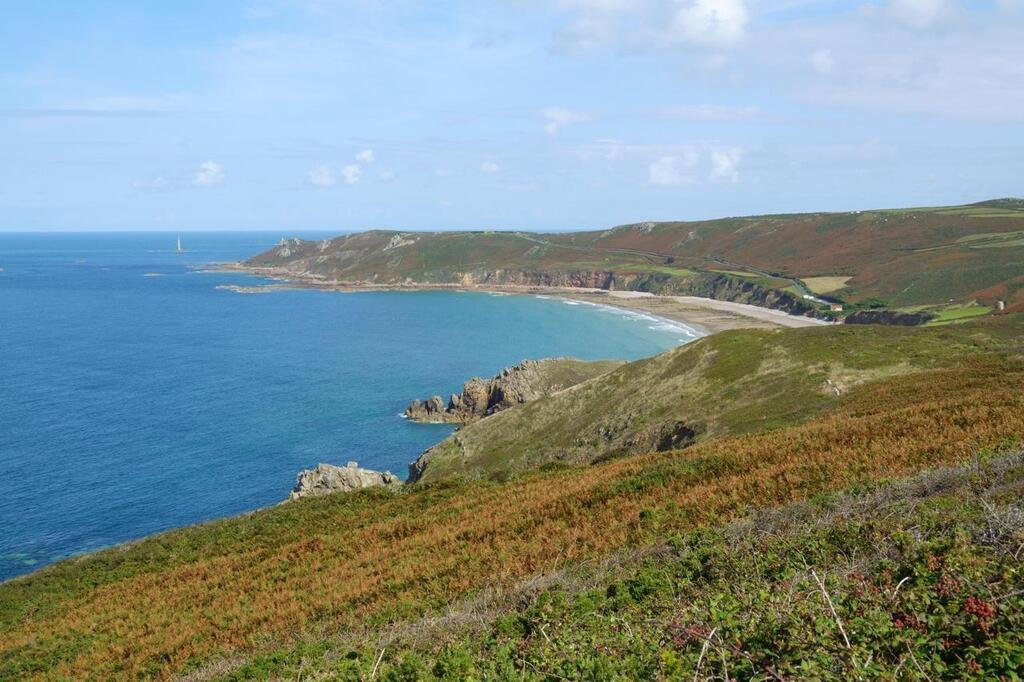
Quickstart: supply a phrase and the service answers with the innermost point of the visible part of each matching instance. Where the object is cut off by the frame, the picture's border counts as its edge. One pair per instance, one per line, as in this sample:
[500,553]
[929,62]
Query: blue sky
[533,114]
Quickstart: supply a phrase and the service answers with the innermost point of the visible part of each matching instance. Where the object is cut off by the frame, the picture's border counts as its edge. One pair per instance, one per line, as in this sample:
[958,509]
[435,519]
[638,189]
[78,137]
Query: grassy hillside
[923,576]
[906,257]
[726,384]
[332,570]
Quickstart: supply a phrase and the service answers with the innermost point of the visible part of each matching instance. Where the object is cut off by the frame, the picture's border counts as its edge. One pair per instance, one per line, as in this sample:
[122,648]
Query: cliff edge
[522,383]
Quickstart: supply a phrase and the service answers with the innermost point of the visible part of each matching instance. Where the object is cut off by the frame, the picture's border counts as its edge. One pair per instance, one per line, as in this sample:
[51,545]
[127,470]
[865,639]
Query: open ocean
[136,397]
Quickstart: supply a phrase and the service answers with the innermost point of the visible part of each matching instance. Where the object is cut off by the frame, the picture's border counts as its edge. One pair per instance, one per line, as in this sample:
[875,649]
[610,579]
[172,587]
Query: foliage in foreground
[256,583]
[920,579]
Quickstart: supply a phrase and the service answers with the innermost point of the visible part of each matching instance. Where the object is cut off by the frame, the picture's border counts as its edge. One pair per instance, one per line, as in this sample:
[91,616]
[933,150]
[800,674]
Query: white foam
[655,323]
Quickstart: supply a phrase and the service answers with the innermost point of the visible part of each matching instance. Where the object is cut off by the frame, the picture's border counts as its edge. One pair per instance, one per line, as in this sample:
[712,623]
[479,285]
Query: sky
[504,114]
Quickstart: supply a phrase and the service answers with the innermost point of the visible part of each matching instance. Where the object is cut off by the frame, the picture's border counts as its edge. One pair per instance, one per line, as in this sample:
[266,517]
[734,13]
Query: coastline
[703,315]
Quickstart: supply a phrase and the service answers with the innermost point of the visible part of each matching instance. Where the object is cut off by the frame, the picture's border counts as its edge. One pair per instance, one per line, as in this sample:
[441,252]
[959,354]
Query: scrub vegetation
[901,257]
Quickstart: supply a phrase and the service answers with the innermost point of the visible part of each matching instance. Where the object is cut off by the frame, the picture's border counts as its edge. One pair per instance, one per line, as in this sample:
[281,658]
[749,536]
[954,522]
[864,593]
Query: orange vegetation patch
[400,555]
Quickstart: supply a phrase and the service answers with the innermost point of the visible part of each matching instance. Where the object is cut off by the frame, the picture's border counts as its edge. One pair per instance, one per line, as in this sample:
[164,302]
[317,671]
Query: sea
[136,396]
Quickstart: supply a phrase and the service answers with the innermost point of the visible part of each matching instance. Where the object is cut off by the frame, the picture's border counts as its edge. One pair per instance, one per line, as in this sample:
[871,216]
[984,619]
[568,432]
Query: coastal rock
[522,383]
[328,478]
[430,410]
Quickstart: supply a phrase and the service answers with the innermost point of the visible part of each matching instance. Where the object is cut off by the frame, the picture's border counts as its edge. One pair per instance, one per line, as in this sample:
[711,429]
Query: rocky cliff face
[577,279]
[522,383]
[327,478]
[888,317]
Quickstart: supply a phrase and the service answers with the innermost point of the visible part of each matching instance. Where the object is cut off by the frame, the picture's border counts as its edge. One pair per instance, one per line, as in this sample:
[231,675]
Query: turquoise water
[136,396]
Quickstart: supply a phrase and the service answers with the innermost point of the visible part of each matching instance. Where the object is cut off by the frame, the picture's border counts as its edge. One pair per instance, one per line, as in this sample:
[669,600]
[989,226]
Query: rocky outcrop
[670,435]
[522,383]
[327,478]
[575,279]
[890,317]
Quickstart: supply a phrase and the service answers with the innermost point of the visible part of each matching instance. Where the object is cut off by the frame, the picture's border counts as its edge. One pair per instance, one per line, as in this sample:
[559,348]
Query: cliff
[891,317]
[522,383]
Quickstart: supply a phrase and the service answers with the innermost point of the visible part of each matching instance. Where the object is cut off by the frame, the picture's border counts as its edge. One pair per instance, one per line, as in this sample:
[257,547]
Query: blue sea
[136,396]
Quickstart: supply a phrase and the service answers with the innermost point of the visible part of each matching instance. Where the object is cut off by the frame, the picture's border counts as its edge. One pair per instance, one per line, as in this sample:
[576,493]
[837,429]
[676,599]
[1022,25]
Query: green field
[960,314]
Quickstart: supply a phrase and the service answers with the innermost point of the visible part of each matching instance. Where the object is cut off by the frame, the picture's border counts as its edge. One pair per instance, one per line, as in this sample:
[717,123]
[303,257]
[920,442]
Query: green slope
[730,383]
[918,256]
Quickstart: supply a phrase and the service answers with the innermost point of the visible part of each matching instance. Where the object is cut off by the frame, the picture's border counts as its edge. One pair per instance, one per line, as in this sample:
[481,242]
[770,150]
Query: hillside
[903,258]
[725,384]
[915,579]
[292,589]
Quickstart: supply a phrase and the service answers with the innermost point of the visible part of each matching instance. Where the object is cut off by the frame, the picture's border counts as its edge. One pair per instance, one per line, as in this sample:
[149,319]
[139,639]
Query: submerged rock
[328,478]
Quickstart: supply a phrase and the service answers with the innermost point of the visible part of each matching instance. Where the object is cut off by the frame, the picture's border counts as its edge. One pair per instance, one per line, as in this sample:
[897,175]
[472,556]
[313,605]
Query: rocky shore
[522,383]
[328,478]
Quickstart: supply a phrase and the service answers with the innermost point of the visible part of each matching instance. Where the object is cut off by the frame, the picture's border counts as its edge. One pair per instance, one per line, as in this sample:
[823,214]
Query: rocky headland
[522,383]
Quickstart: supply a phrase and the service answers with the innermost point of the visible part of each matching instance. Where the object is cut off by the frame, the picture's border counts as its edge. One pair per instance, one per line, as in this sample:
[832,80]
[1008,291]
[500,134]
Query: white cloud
[713,23]
[152,104]
[559,117]
[157,183]
[670,171]
[351,173]
[387,176]
[642,24]
[596,5]
[210,173]
[921,14]
[321,176]
[490,167]
[365,156]
[725,164]
[822,61]
[710,112]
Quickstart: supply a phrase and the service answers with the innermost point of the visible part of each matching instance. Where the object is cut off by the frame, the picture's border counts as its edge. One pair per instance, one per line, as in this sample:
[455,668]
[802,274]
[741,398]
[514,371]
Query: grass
[253,585]
[960,314]
[825,285]
[664,269]
[738,273]
[730,383]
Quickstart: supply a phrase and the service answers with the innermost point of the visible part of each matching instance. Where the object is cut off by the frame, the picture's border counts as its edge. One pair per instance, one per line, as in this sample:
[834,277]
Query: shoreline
[704,315]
